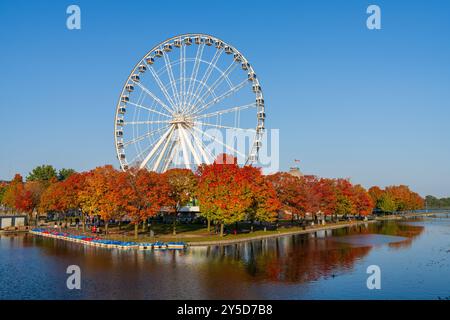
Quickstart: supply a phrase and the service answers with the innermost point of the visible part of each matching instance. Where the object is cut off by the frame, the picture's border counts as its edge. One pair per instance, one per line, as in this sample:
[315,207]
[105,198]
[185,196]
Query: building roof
[295,171]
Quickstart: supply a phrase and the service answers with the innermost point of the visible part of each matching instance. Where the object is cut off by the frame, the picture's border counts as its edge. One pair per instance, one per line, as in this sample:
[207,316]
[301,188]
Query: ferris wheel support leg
[163,151]
[183,145]
[200,147]
[155,148]
[171,155]
[189,145]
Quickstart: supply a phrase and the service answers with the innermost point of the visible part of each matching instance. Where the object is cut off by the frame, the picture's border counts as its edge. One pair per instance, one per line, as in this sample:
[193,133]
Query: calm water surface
[414,258]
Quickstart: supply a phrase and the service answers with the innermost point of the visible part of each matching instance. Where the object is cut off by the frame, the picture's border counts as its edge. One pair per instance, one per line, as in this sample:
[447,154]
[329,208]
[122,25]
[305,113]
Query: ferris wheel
[190,98]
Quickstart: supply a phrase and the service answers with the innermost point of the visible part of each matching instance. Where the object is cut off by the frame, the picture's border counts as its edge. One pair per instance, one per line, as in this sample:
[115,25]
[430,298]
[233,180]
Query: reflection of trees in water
[301,258]
[391,228]
[307,261]
[288,259]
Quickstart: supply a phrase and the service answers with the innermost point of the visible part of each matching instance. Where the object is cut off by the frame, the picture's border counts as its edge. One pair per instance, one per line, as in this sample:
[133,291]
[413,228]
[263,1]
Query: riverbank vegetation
[437,203]
[229,197]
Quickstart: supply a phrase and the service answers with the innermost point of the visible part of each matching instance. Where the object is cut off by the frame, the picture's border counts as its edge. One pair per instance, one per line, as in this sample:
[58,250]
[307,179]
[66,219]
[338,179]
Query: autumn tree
[375,193]
[34,191]
[362,201]
[309,195]
[344,195]
[396,198]
[222,192]
[287,188]
[183,184]
[10,193]
[386,203]
[147,192]
[52,199]
[326,190]
[264,204]
[98,196]
[3,187]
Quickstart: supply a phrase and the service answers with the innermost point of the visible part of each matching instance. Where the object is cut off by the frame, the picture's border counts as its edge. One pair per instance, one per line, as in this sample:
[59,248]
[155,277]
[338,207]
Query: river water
[413,257]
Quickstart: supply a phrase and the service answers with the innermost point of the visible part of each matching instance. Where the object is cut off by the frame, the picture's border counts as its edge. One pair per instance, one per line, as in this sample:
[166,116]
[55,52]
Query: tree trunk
[174,226]
[136,230]
[106,228]
[83,221]
[144,223]
[120,225]
[209,225]
[221,229]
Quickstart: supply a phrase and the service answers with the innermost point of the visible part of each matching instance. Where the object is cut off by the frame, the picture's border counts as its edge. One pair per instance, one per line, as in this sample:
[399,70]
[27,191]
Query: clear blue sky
[349,102]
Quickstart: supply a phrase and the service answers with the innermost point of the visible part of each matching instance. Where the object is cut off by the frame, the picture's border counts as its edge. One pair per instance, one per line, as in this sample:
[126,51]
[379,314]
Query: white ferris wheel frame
[186,102]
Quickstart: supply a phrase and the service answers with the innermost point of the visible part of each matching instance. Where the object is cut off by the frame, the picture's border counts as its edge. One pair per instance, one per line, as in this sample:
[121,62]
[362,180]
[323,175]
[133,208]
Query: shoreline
[278,235]
[331,226]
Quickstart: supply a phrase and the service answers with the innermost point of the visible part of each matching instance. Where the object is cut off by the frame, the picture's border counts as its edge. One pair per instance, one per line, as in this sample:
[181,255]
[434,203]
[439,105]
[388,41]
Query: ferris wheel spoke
[220,142]
[154,97]
[184,147]
[148,134]
[156,147]
[189,144]
[146,122]
[216,83]
[163,88]
[172,80]
[220,112]
[201,147]
[163,151]
[139,156]
[171,153]
[148,109]
[195,69]
[221,126]
[182,74]
[207,74]
[222,96]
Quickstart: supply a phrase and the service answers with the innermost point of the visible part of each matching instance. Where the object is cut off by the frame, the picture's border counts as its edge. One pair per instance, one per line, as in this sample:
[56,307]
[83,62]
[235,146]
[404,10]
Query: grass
[198,233]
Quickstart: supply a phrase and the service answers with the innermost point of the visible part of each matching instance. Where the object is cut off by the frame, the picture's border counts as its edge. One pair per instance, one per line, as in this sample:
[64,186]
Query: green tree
[44,173]
[386,203]
[344,206]
[3,187]
[64,173]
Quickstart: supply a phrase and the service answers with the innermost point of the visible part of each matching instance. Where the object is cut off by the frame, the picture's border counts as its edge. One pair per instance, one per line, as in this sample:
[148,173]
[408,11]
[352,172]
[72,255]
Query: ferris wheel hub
[182,119]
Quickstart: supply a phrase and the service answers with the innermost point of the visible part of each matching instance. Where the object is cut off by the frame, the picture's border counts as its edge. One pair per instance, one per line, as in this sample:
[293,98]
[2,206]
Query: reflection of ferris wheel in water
[187,90]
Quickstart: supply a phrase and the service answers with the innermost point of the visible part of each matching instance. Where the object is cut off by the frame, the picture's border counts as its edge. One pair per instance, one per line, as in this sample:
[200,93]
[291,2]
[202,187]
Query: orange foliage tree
[222,192]
[145,193]
[287,188]
[264,205]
